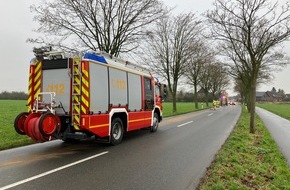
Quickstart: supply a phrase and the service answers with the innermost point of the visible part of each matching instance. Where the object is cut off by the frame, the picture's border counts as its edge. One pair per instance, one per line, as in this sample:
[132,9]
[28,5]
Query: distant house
[277,97]
[201,93]
[260,96]
[269,96]
[287,97]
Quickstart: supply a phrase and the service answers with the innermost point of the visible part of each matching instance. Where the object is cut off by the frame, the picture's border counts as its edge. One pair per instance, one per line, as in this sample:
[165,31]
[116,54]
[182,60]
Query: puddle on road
[29,155]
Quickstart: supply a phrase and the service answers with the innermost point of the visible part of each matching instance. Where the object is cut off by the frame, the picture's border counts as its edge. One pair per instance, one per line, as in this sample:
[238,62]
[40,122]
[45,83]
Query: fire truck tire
[155,125]
[117,131]
[48,124]
[19,123]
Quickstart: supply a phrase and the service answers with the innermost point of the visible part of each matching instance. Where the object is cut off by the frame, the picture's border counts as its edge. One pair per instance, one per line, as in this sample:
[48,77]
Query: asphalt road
[173,158]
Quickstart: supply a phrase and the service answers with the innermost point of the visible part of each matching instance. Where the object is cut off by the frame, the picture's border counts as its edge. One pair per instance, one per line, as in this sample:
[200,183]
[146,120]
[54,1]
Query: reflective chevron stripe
[85,106]
[34,83]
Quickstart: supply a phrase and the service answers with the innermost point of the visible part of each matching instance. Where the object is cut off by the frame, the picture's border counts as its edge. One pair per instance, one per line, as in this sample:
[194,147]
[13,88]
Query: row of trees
[181,47]
[13,95]
[185,96]
[178,51]
[250,34]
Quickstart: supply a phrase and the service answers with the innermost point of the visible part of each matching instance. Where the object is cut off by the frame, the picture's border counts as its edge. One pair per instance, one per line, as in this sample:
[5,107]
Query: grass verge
[248,161]
[281,109]
[182,108]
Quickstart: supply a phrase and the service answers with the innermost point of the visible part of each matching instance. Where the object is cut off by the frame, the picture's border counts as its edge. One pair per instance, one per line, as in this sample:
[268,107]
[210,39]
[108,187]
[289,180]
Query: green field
[281,109]
[9,109]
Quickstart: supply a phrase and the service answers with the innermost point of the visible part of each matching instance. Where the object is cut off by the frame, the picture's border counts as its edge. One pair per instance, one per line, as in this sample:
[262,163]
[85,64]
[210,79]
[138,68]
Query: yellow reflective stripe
[29,90]
[37,67]
[83,109]
[77,90]
[77,80]
[29,99]
[85,91]
[37,76]
[137,120]
[76,99]
[77,109]
[97,126]
[85,82]
[76,70]
[37,85]
[85,102]
[36,93]
[86,73]
[148,118]
[76,127]
[77,118]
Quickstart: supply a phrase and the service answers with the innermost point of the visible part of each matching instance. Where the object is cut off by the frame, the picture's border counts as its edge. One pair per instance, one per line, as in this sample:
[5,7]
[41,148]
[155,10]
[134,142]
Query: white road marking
[210,114]
[51,171]
[181,125]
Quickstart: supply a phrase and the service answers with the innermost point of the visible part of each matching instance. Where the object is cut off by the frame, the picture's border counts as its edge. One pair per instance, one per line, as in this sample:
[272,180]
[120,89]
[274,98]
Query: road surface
[175,157]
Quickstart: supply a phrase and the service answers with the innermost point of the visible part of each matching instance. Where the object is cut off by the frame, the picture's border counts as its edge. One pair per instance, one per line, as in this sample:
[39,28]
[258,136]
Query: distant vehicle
[223,99]
[232,103]
[95,95]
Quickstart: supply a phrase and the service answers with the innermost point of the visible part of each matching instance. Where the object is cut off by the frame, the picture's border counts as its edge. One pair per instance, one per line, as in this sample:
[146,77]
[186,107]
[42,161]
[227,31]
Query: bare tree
[205,81]
[201,54]
[169,48]
[251,30]
[213,79]
[243,80]
[218,78]
[113,26]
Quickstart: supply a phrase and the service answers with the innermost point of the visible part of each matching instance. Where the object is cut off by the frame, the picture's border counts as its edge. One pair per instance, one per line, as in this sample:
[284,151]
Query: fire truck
[223,98]
[91,96]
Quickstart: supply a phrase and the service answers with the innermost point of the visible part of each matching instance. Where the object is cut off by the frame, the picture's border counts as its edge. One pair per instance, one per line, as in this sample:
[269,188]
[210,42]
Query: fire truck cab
[96,95]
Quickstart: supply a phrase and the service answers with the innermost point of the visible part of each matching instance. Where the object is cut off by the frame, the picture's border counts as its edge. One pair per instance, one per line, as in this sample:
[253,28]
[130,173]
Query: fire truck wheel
[154,127]
[117,131]
[19,123]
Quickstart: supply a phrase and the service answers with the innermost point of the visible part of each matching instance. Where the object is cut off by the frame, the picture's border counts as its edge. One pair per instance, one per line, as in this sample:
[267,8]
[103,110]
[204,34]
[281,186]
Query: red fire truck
[96,95]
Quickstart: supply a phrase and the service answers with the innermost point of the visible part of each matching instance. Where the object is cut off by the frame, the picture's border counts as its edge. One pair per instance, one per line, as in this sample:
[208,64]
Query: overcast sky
[17,25]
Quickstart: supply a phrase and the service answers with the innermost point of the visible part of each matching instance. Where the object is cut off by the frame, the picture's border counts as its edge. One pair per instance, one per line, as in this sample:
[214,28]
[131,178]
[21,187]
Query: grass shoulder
[281,109]
[182,108]
[248,161]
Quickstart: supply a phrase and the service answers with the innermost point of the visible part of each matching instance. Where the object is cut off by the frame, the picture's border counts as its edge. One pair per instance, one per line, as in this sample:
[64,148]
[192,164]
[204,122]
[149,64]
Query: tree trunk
[206,99]
[195,96]
[252,107]
[174,110]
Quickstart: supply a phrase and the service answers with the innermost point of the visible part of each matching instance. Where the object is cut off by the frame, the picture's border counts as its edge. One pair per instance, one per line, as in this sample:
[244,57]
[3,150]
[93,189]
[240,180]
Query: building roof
[260,94]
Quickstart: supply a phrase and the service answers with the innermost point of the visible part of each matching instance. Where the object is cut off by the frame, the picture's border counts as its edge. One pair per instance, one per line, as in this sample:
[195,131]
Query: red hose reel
[39,127]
